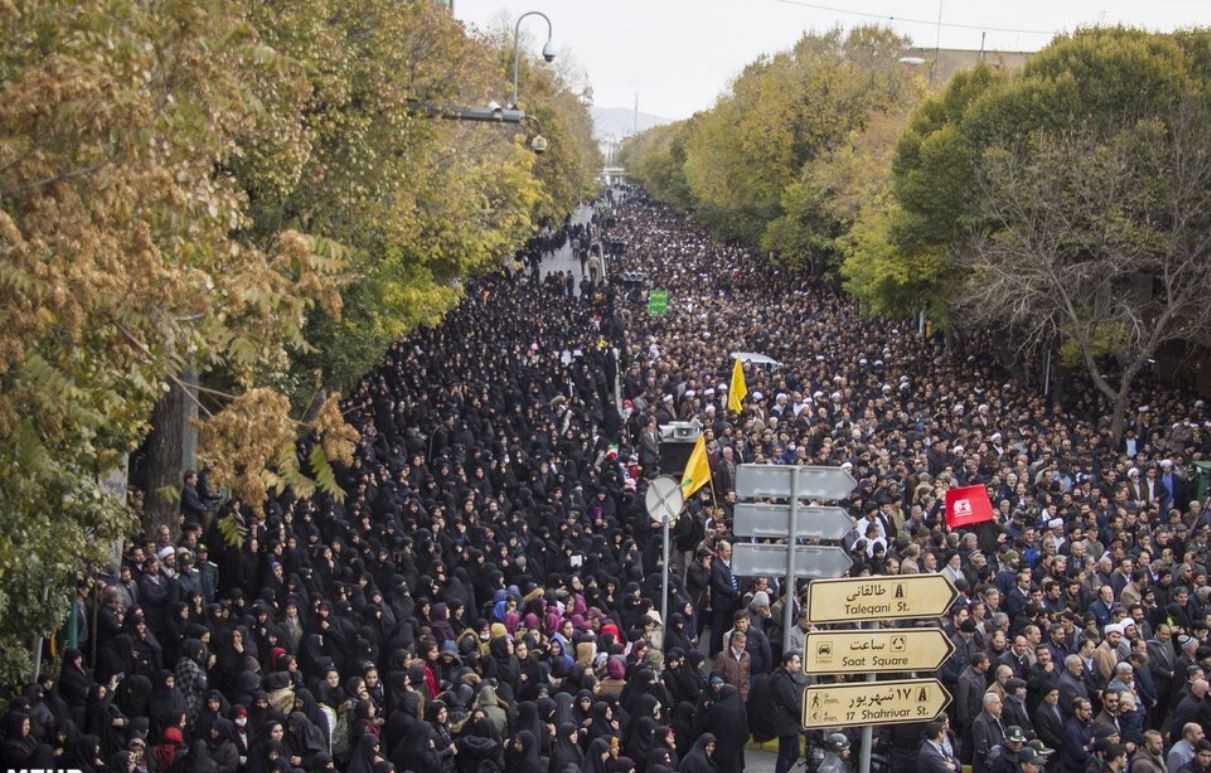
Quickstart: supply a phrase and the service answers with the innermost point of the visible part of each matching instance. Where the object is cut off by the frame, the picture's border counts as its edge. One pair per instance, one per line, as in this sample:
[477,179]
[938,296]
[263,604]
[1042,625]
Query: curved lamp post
[548,49]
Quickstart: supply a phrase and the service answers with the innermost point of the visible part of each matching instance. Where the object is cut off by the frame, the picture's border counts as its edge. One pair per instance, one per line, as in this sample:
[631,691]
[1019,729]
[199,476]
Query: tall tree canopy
[247,190]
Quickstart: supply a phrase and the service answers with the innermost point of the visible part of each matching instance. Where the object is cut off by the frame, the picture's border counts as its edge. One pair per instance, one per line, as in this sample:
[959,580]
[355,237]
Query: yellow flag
[697,471]
[737,391]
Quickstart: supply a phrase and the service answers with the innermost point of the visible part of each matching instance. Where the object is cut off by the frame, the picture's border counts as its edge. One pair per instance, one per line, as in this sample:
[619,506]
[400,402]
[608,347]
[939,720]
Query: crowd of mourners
[487,596]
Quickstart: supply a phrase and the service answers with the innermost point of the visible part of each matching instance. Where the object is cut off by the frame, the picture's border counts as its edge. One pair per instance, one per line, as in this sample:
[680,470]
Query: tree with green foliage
[782,113]
[1071,224]
[242,190]
[1100,78]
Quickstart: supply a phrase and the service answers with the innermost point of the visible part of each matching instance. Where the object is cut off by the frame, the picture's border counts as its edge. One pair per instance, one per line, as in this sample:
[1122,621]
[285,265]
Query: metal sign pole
[664,577]
[868,731]
[788,603]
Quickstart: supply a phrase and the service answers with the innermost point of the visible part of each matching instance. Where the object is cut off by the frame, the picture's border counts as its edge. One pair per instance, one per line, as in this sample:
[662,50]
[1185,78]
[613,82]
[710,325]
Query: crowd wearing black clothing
[485,597]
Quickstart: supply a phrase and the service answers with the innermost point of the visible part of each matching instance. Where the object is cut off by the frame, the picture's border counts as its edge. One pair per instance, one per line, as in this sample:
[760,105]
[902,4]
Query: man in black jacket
[725,591]
[786,698]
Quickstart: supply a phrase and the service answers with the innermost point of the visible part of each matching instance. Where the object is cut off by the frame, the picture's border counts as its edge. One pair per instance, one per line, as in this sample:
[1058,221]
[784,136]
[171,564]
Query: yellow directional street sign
[897,597]
[852,704]
[875,651]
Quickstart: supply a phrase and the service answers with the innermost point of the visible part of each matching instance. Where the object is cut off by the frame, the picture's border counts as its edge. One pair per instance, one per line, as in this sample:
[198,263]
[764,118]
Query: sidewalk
[563,259]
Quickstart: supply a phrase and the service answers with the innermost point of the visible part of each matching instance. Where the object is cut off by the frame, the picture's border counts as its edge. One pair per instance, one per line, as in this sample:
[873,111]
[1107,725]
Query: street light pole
[548,50]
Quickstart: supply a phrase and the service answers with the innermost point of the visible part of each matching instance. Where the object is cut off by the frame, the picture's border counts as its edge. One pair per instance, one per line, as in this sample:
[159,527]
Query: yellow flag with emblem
[697,471]
[738,389]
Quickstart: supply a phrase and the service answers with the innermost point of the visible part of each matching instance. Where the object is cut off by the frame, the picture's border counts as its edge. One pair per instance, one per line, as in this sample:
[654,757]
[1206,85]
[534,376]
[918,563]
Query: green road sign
[658,302]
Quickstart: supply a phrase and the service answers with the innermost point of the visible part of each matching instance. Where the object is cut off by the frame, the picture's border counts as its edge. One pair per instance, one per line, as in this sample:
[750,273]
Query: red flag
[967,506]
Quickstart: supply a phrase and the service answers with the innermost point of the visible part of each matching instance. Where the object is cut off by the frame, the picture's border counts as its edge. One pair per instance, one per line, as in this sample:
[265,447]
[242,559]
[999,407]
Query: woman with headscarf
[106,721]
[303,740]
[220,745]
[418,752]
[365,754]
[365,721]
[597,758]
[305,702]
[440,624]
[191,677]
[21,749]
[133,696]
[604,724]
[501,664]
[75,683]
[478,743]
[700,758]
[169,754]
[640,738]
[167,704]
[521,754]
[566,749]
[490,704]
[84,754]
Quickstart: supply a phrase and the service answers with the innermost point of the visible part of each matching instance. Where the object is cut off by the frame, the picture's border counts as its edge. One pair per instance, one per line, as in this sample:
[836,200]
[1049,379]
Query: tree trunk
[1119,418]
[171,449]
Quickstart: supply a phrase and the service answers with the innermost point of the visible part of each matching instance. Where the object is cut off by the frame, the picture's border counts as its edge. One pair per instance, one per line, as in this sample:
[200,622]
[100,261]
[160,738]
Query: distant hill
[621,120]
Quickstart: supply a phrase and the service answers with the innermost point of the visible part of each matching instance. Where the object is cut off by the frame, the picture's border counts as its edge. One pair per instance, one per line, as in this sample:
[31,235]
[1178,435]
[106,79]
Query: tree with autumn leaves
[790,151]
[242,191]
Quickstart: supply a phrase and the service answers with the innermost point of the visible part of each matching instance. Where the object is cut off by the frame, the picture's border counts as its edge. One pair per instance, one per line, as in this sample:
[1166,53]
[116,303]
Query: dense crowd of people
[486,597]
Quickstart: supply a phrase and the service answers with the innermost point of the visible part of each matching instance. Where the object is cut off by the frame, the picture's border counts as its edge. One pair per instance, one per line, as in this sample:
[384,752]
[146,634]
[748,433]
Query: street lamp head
[548,51]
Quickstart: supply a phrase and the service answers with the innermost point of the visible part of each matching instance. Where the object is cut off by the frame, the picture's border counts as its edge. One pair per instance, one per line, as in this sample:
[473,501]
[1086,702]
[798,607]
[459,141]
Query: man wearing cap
[1030,761]
[187,580]
[1005,759]
[208,573]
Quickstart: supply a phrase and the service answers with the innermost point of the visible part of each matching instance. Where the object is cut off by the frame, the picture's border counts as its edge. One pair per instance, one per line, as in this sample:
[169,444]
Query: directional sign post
[751,559]
[854,704]
[663,501]
[773,521]
[897,597]
[874,651]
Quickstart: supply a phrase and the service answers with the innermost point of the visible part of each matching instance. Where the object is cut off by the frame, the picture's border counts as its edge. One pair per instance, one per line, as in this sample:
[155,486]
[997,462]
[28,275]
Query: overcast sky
[678,55]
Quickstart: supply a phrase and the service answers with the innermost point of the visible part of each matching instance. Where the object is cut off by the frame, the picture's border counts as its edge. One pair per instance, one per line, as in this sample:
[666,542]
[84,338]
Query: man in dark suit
[986,732]
[725,595]
[932,758]
[1049,720]
[972,684]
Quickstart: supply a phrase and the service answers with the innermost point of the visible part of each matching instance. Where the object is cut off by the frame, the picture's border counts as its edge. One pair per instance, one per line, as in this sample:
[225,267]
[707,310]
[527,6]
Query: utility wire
[931,23]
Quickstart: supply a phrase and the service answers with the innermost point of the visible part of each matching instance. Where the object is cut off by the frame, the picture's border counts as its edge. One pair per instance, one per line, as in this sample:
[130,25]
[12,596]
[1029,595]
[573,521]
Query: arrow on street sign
[851,704]
[897,597]
[774,480]
[875,651]
[772,521]
[754,560]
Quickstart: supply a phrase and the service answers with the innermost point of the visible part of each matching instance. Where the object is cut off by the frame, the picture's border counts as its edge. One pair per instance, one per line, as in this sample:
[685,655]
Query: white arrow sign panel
[814,561]
[774,480]
[772,521]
